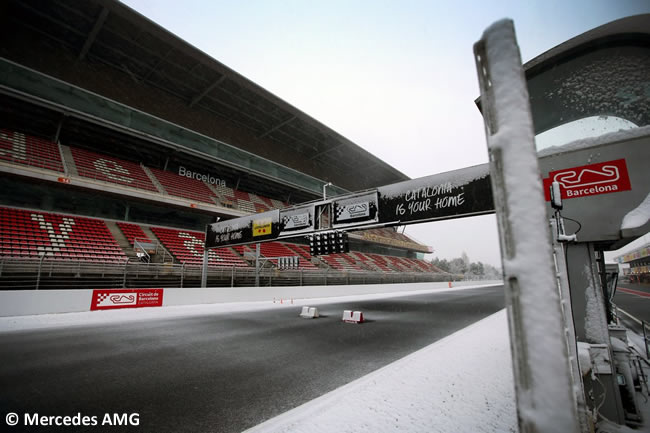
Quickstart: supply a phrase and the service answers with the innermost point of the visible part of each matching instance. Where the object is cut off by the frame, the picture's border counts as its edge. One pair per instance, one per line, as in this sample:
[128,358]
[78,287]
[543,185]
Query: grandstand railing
[30,274]
[148,247]
[34,161]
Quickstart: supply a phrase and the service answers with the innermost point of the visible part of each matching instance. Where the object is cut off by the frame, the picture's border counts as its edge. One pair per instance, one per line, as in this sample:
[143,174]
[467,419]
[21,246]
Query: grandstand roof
[147,57]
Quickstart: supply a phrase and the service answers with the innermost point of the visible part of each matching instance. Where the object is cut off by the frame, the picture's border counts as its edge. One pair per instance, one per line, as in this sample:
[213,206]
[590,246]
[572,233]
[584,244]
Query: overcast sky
[395,77]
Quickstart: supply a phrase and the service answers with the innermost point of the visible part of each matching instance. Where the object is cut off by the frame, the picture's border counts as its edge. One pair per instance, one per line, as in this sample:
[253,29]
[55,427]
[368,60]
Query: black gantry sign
[244,230]
[455,194]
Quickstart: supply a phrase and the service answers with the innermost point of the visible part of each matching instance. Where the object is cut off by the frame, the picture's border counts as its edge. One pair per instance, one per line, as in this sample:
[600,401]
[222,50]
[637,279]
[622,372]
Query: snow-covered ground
[90,318]
[462,383]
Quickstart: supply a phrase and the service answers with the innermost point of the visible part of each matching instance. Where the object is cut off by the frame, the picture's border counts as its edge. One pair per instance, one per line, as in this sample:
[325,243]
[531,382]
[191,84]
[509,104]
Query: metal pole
[232,277]
[40,265]
[570,332]
[126,263]
[646,337]
[532,299]
[204,269]
[325,189]
[257,265]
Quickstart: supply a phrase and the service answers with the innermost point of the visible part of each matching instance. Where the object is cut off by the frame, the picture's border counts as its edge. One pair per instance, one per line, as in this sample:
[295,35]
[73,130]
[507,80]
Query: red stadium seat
[102,167]
[184,187]
[187,247]
[132,231]
[64,237]
[19,148]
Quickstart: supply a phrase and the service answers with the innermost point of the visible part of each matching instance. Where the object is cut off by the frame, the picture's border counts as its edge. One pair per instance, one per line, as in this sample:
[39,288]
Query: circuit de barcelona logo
[292,222]
[602,178]
[352,211]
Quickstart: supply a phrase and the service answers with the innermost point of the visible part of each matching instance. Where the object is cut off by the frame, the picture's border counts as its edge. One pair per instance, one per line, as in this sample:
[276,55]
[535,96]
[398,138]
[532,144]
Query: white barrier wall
[29,302]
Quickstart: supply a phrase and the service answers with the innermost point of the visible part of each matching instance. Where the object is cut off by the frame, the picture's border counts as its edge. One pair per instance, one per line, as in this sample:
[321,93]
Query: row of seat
[16,147]
[33,234]
[26,233]
[96,166]
[187,247]
[19,148]
[132,232]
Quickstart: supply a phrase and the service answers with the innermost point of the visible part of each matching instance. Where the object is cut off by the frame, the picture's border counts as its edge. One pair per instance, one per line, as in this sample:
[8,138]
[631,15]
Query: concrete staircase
[153,179]
[156,258]
[121,240]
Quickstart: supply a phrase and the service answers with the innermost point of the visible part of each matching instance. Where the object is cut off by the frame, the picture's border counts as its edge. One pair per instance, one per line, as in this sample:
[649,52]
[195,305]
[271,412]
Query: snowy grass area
[462,383]
[91,318]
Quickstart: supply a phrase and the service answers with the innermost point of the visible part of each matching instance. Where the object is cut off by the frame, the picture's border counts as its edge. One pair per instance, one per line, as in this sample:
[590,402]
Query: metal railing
[40,274]
[35,161]
[148,247]
[646,338]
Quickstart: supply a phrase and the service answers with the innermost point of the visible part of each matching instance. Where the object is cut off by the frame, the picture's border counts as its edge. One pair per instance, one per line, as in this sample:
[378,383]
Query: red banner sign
[106,299]
[593,179]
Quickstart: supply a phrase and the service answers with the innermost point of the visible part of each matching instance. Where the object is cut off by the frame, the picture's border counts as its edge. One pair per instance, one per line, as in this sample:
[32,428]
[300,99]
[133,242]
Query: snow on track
[462,383]
[95,318]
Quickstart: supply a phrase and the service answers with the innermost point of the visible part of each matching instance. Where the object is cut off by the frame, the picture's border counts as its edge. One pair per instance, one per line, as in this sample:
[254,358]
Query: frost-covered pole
[543,386]
[204,269]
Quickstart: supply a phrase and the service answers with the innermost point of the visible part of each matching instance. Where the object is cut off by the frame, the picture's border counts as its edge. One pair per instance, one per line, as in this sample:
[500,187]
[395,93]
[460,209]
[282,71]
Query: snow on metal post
[257,265]
[204,269]
[543,386]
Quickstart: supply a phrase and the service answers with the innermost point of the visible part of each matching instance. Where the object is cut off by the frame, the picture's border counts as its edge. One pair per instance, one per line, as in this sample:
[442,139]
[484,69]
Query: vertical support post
[532,299]
[257,265]
[126,264]
[182,274]
[301,276]
[646,337]
[325,190]
[232,277]
[40,266]
[204,269]
[569,328]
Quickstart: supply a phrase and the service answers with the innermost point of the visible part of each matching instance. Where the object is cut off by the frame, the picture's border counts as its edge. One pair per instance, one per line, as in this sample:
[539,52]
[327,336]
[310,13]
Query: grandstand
[120,142]
[637,264]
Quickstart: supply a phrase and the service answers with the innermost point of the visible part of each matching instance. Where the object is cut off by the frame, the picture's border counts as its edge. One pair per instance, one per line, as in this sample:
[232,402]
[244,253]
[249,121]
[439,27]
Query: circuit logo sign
[594,179]
[126,298]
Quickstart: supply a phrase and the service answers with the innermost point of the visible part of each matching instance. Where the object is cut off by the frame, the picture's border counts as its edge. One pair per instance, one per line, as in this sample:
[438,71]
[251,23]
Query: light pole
[325,189]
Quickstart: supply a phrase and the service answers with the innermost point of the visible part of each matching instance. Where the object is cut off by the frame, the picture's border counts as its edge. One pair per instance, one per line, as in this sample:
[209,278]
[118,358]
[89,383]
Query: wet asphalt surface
[221,372]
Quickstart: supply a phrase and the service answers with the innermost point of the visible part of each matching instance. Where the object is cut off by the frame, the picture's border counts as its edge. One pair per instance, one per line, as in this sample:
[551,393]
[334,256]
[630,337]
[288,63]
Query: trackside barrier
[309,312]
[28,302]
[350,316]
[49,274]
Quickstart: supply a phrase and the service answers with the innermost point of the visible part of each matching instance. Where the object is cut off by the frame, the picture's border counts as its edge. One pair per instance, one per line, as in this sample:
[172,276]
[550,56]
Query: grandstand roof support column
[58,127]
[93,33]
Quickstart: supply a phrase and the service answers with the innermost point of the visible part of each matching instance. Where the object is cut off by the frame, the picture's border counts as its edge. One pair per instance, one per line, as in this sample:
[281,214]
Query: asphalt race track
[222,372]
[634,299]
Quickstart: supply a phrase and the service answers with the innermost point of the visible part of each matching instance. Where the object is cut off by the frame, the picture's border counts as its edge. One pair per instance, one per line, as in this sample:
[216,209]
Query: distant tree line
[463,266]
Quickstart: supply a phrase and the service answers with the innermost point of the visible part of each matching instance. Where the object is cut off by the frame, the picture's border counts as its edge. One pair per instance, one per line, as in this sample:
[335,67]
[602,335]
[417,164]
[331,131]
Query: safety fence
[26,274]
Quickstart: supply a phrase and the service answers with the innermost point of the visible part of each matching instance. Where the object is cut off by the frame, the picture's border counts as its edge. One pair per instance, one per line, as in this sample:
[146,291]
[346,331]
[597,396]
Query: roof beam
[276,127]
[326,151]
[210,88]
[157,64]
[93,33]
